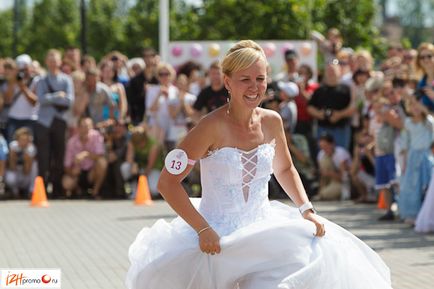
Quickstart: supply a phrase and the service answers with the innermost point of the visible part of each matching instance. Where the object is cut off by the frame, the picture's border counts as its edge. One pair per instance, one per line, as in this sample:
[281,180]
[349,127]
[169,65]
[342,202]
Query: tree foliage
[6,25]
[54,24]
[105,31]
[119,25]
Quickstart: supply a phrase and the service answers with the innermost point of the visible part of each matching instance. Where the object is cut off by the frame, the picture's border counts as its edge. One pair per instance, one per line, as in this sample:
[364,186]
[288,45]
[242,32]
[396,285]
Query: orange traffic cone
[143,195]
[39,196]
[381,201]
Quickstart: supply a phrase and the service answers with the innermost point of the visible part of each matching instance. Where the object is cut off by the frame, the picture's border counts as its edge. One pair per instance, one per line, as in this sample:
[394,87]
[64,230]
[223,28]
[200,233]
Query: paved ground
[89,240]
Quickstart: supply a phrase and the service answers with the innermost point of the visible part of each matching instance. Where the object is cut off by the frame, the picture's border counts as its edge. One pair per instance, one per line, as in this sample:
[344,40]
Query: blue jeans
[341,135]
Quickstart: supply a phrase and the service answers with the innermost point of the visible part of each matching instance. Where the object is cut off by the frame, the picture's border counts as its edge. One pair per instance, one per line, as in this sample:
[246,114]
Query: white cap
[374,83]
[289,88]
[136,60]
[23,61]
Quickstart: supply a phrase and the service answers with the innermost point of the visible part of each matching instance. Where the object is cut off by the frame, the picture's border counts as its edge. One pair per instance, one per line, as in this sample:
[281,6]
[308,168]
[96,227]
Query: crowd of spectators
[90,129]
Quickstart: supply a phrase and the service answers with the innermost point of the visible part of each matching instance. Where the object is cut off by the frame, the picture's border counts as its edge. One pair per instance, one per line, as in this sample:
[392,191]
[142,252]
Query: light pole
[83,38]
[164,30]
[15,28]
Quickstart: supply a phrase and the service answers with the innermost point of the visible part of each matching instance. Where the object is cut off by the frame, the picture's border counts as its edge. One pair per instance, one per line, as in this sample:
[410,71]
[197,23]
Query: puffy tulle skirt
[425,218]
[279,251]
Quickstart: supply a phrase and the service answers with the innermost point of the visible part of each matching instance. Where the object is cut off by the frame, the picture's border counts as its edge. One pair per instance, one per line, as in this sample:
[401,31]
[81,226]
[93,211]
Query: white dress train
[264,245]
[425,218]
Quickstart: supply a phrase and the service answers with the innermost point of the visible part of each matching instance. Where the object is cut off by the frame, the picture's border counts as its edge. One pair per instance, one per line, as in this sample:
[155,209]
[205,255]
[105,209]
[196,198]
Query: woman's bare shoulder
[211,119]
[270,118]
[203,135]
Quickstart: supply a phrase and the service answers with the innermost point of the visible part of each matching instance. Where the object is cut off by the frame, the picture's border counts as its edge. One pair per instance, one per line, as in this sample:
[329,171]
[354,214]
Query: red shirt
[301,102]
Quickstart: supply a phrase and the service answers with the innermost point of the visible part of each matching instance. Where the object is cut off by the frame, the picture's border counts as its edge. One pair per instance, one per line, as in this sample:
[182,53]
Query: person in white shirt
[19,95]
[157,100]
[334,163]
[22,168]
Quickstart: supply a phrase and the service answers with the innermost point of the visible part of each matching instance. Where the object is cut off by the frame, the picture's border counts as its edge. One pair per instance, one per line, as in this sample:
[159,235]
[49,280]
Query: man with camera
[55,93]
[332,107]
[19,99]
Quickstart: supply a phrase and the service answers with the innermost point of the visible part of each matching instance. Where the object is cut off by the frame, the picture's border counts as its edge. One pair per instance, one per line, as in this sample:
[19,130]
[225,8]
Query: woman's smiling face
[248,86]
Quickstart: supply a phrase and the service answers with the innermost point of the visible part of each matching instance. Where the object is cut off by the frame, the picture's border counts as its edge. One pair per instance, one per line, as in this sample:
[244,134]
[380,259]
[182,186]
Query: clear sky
[5,4]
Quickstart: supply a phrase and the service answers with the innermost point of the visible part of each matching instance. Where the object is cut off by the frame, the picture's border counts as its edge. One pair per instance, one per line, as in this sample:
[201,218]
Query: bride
[234,237]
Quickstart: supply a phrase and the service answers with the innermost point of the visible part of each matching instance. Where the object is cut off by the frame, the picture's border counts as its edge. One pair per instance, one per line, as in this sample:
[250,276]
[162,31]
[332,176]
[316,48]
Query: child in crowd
[417,137]
[363,169]
[384,138]
[22,168]
[334,163]
[144,157]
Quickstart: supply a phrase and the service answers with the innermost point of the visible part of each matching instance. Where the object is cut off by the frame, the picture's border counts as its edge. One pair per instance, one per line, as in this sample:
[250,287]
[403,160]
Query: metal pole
[15,29]
[83,27]
[164,30]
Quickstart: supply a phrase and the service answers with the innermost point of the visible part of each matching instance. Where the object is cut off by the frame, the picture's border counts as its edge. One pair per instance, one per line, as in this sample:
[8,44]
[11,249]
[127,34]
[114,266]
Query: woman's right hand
[209,242]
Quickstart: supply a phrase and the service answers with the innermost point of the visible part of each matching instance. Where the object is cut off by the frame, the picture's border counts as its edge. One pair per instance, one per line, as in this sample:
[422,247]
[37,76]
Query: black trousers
[50,143]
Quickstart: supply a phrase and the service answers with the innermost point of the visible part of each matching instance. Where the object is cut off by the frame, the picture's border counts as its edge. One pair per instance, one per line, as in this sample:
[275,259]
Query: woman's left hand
[310,216]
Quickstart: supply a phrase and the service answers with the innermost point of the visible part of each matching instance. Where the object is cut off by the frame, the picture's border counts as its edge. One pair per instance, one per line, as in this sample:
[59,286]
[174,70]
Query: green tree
[105,27]
[54,24]
[278,19]
[141,27]
[229,19]
[6,33]
[355,21]
[129,26]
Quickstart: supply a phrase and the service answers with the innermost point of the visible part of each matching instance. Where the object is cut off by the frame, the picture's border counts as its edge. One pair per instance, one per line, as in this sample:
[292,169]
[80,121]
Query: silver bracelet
[306,206]
[203,230]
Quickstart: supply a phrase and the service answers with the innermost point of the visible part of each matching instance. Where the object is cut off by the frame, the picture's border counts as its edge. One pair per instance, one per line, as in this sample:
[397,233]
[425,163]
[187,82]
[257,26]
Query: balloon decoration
[269,49]
[306,49]
[287,46]
[177,50]
[214,50]
[196,50]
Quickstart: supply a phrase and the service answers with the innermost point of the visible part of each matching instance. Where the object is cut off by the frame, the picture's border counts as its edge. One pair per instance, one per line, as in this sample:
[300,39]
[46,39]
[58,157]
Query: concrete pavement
[89,240]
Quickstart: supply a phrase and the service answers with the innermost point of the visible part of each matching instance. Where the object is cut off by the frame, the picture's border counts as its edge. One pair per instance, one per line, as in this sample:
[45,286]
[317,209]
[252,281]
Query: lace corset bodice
[235,186]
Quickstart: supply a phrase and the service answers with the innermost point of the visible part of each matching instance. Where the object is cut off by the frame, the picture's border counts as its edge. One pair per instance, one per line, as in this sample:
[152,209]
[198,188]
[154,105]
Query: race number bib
[176,161]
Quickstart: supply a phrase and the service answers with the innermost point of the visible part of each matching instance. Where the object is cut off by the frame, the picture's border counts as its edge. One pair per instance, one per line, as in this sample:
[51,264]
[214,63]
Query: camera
[328,113]
[21,75]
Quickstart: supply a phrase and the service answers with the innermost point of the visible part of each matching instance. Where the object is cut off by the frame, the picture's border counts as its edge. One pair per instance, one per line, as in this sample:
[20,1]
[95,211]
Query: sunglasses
[428,56]
[163,74]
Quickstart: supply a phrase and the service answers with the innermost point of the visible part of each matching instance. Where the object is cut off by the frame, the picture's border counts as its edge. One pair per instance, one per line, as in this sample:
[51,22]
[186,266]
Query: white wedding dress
[264,245]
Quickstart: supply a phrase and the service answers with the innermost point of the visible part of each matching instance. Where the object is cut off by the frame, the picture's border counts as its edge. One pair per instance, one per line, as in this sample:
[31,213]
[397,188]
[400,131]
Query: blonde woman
[158,98]
[235,237]
[425,63]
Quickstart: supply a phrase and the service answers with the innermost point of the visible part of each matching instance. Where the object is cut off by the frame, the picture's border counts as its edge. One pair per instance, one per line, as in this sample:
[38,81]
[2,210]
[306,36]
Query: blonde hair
[166,66]
[423,46]
[138,135]
[54,52]
[23,131]
[9,63]
[241,56]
